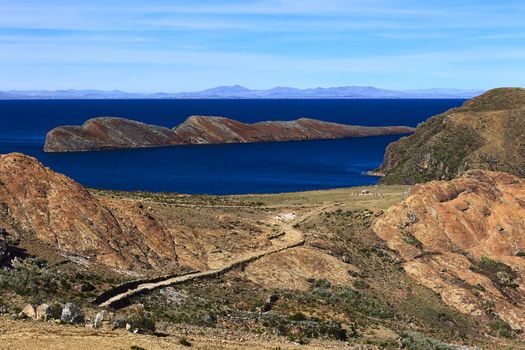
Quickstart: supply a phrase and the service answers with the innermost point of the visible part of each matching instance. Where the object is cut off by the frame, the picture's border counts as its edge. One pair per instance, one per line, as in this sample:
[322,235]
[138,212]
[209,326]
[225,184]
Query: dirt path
[290,239]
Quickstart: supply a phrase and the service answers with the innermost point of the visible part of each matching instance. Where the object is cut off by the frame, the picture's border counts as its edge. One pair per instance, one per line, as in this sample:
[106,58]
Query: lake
[216,169]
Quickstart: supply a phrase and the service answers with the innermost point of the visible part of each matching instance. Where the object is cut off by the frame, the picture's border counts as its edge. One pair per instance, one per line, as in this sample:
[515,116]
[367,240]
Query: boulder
[97,320]
[72,314]
[43,312]
[119,321]
[28,312]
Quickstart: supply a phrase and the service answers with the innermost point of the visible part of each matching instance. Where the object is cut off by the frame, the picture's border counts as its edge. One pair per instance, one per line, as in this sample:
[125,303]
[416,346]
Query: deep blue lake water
[216,169]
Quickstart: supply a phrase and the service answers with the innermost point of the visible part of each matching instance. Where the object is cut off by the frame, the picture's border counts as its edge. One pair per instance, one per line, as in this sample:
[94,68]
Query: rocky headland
[115,133]
[487,132]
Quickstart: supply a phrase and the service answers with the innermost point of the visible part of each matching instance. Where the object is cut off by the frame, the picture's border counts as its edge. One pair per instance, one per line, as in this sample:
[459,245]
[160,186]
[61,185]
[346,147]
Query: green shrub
[360,284]
[142,322]
[501,328]
[363,303]
[499,273]
[26,278]
[322,283]
[487,262]
[417,341]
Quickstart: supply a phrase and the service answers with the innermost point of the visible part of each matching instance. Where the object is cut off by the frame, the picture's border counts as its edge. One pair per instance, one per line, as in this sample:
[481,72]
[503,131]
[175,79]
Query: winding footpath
[290,239]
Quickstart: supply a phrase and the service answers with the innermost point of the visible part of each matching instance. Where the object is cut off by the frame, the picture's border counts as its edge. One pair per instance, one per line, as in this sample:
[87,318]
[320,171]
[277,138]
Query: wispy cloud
[407,43]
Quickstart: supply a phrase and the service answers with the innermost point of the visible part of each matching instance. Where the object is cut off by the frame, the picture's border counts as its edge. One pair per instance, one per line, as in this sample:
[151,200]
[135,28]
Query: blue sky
[177,45]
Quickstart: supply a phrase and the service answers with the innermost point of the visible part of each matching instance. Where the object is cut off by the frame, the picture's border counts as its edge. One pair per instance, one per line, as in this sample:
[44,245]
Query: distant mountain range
[240,92]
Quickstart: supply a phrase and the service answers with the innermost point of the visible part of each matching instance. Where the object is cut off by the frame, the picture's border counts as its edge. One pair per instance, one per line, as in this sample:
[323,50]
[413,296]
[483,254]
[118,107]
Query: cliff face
[36,201]
[113,133]
[487,132]
[464,239]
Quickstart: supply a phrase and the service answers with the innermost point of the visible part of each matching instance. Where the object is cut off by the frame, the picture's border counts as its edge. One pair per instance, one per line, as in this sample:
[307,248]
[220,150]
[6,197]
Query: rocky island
[487,132]
[116,133]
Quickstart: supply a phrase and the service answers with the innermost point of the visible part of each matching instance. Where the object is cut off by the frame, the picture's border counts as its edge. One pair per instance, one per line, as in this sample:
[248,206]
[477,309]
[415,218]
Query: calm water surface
[216,169]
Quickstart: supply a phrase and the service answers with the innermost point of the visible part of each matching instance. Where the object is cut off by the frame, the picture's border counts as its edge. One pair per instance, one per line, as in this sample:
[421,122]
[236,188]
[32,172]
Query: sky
[179,45]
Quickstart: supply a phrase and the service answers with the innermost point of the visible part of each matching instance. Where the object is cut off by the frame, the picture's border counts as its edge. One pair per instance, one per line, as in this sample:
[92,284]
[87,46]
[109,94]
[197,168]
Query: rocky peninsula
[118,133]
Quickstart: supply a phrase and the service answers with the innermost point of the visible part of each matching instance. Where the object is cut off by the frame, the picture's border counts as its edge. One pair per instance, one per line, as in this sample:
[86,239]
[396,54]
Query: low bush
[26,278]
[417,341]
[501,328]
[142,322]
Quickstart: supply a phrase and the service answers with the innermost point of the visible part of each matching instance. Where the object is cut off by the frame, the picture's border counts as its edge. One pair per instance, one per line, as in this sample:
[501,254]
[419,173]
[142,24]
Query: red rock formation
[201,129]
[465,239]
[113,133]
[108,133]
[35,200]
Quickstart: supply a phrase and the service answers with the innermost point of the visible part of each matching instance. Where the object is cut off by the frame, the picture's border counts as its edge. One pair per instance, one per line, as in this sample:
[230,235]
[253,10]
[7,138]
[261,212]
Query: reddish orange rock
[113,133]
[37,201]
[465,239]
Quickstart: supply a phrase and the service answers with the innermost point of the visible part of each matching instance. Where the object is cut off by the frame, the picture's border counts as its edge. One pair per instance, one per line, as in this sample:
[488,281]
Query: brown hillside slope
[465,240]
[36,201]
[113,133]
[487,132]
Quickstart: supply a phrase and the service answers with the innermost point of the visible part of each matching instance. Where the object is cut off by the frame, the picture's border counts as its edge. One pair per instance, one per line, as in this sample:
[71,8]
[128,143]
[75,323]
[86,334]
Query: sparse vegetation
[501,328]
[185,342]
[417,341]
[27,278]
[499,273]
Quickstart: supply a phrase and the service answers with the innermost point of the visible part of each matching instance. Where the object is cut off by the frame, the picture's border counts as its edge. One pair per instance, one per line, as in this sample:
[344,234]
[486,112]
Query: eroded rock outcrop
[465,239]
[55,209]
[487,132]
[114,133]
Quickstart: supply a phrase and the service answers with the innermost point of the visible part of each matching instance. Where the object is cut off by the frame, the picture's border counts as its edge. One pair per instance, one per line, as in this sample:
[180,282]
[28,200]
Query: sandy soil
[29,335]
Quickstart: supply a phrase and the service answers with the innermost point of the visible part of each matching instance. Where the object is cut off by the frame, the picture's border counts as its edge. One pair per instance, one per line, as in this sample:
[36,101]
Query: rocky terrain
[112,133]
[124,270]
[465,240]
[38,203]
[487,132]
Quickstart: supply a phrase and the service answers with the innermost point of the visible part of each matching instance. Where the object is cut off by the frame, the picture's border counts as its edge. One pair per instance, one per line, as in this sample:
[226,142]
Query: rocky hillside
[487,132]
[37,202]
[113,133]
[464,239]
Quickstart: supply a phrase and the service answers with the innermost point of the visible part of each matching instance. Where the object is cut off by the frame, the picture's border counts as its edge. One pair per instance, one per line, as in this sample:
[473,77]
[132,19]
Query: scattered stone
[97,320]
[28,312]
[72,314]
[119,321]
[43,312]
[347,259]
